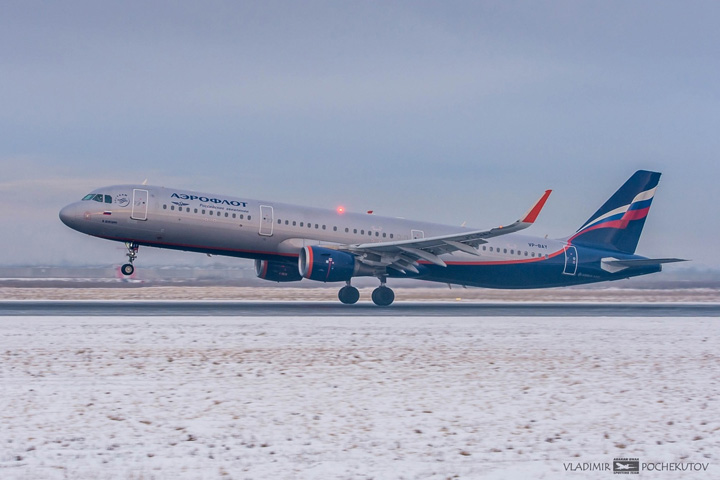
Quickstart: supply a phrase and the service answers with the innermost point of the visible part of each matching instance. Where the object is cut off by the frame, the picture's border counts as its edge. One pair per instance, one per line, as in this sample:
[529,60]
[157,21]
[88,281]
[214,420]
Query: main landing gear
[349,294]
[381,296]
[128,269]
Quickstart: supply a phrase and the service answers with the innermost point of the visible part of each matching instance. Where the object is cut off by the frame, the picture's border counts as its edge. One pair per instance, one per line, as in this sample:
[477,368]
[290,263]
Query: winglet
[533,213]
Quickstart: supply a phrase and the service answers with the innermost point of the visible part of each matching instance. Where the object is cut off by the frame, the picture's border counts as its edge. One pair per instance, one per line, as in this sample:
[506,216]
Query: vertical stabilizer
[617,225]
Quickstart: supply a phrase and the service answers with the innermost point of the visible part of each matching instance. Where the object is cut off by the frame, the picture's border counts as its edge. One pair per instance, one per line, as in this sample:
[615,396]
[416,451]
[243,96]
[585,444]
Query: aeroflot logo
[216,201]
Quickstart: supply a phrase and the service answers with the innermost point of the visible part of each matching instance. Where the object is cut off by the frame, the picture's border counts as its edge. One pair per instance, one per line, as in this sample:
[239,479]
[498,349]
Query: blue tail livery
[290,243]
[617,225]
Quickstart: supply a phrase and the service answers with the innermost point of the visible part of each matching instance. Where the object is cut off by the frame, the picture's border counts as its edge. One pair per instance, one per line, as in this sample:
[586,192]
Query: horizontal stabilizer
[642,262]
[613,265]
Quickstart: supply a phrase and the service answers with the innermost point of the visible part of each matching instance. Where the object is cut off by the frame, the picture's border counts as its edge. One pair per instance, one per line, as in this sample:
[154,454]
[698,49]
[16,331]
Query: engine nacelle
[277,271]
[326,265]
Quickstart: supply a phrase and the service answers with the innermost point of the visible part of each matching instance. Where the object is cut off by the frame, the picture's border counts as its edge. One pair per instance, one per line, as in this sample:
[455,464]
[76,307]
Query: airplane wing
[404,255]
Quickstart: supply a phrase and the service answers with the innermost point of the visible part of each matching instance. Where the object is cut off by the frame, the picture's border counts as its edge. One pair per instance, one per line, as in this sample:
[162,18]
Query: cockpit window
[98,197]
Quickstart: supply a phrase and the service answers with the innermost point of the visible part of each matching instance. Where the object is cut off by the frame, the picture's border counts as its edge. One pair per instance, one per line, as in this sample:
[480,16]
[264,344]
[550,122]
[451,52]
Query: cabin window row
[209,212]
[512,251]
[317,226]
[280,221]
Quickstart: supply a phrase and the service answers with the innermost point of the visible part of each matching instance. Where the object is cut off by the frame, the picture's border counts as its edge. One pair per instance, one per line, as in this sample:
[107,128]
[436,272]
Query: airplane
[290,242]
[623,466]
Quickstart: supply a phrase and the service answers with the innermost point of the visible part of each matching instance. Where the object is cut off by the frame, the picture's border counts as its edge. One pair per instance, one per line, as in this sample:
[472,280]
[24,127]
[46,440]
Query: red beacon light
[341,210]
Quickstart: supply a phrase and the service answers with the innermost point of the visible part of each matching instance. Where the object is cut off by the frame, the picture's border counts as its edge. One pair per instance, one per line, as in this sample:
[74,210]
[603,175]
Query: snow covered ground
[355,398]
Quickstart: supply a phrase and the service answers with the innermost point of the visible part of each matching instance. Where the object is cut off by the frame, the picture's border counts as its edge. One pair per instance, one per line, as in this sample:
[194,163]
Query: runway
[332,309]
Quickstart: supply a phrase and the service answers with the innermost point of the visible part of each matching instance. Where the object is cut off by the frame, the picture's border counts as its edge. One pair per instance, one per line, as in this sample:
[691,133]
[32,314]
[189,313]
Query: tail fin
[617,225]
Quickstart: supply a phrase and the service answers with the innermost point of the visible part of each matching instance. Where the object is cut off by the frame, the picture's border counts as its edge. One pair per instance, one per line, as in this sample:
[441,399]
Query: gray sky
[442,111]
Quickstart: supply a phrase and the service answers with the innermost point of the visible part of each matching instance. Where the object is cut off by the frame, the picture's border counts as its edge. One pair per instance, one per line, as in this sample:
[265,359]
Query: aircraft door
[571,260]
[266,220]
[140,204]
[416,234]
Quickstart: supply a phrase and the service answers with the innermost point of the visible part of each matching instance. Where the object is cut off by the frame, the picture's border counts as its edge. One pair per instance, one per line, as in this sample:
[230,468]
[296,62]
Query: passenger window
[203,212]
[233,215]
[302,224]
[354,230]
[316,226]
[287,222]
[249,217]
[227,214]
[512,252]
[347,230]
[377,234]
[491,249]
[391,235]
[334,229]
[279,222]
[196,210]
[504,250]
[294,223]
[384,234]
[172,207]
[164,207]
[241,215]
[362,232]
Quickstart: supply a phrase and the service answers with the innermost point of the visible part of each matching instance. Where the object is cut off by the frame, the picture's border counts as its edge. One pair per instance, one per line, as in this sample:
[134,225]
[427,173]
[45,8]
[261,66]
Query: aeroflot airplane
[289,242]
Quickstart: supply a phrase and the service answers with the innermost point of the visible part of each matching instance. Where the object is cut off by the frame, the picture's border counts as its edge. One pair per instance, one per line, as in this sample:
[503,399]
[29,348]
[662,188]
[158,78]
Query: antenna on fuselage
[145,181]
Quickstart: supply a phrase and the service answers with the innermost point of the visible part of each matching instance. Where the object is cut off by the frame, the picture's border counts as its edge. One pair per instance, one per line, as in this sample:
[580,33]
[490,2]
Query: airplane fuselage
[277,232]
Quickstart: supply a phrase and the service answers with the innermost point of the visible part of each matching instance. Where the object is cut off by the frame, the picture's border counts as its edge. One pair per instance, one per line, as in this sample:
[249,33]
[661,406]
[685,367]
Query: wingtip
[533,213]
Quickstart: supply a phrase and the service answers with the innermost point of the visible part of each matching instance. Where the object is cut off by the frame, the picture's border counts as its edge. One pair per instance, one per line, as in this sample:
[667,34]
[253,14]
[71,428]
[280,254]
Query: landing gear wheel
[349,295]
[383,296]
[132,248]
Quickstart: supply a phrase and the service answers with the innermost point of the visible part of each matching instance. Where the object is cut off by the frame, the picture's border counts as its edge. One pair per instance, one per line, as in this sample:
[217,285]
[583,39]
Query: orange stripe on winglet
[532,215]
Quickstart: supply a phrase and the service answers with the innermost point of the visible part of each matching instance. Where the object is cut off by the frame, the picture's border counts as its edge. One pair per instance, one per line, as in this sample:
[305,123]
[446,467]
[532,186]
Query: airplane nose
[67,215]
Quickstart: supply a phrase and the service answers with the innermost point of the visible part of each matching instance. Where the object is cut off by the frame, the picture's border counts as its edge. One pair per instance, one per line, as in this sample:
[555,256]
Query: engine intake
[326,265]
[277,271]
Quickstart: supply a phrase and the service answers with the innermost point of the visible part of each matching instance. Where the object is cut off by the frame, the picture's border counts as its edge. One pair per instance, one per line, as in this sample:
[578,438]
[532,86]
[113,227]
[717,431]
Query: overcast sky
[442,111]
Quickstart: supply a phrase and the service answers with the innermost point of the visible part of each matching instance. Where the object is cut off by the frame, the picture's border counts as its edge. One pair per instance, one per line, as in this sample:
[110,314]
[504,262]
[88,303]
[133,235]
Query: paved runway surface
[326,309]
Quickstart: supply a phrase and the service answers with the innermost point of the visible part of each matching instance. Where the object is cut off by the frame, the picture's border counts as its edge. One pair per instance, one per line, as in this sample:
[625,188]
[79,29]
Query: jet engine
[326,265]
[277,271]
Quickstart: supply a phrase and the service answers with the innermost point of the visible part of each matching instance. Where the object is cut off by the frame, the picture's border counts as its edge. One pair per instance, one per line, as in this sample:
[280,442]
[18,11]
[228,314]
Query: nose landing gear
[128,269]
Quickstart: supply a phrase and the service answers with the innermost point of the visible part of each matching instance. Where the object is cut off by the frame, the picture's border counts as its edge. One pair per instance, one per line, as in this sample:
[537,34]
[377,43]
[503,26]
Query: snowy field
[355,398]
